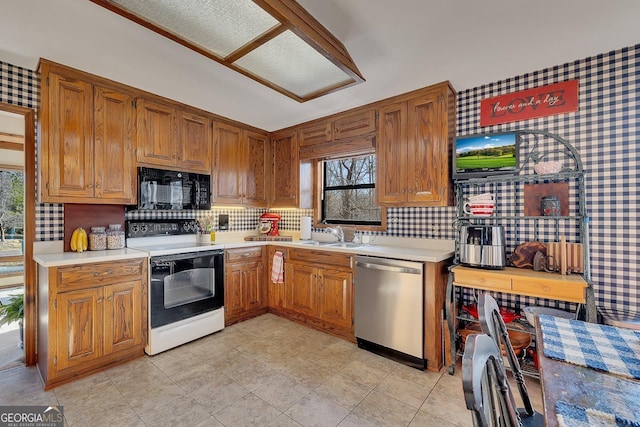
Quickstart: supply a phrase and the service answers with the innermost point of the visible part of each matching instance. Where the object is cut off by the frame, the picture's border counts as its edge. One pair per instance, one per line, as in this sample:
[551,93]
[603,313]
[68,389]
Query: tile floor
[265,371]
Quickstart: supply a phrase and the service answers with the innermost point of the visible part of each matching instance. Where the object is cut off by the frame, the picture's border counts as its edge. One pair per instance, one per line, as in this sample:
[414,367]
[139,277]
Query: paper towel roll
[305,228]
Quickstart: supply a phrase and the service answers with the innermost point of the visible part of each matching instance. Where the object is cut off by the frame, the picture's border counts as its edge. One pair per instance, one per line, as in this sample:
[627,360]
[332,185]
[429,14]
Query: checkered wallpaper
[20,86]
[604,131]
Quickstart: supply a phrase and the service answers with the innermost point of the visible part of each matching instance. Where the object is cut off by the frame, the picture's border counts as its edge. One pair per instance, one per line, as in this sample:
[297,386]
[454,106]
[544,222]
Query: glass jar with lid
[115,237]
[97,239]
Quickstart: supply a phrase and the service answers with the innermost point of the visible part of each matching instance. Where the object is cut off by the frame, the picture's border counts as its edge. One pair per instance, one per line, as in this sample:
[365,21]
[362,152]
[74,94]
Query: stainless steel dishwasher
[389,308]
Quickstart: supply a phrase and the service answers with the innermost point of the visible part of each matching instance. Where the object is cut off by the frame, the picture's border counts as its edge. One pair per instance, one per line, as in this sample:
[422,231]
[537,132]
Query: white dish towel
[277,268]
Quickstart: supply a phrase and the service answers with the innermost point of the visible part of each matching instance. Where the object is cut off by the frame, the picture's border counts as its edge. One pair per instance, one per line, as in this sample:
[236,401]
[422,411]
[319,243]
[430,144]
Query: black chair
[485,384]
[493,325]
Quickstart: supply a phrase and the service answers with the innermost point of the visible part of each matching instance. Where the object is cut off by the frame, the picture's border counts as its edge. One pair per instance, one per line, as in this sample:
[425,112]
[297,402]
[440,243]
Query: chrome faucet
[336,232]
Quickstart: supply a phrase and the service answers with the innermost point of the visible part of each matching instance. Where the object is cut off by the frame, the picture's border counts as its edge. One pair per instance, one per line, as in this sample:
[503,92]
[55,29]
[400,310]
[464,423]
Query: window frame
[318,183]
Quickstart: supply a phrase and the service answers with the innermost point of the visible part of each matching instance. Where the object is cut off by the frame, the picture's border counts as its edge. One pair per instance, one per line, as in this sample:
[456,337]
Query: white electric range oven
[186,282]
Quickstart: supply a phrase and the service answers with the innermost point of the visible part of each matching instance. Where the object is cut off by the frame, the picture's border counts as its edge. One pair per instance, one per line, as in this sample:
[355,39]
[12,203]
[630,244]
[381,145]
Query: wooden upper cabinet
[67,123]
[194,142]
[354,125]
[257,155]
[87,141]
[173,138]
[391,154]
[425,181]
[338,128]
[228,162]
[114,127]
[414,149]
[156,138]
[316,134]
[240,166]
[285,172]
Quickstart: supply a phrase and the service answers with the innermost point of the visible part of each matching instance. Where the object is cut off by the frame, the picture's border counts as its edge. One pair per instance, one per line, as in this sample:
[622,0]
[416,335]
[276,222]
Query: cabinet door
[428,150]
[285,171]
[123,322]
[194,143]
[336,297]
[68,151]
[113,146]
[316,134]
[302,288]
[228,165]
[391,155]
[79,316]
[156,136]
[277,291]
[354,125]
[232,291]
[257,169]
[253,289]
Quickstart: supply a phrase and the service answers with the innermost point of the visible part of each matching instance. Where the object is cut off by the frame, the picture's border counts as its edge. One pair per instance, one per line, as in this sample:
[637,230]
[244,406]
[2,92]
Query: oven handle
[190,255]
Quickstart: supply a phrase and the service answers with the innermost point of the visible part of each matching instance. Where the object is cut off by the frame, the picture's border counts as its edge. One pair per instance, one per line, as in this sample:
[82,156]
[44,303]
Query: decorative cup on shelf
[478,208]
[484,197]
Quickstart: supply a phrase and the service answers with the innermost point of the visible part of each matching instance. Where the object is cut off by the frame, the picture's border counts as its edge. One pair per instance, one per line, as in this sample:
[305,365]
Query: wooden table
[579,385]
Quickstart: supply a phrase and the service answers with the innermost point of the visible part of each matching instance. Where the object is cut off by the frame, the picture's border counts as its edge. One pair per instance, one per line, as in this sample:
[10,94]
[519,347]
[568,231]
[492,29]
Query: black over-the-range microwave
[160,189]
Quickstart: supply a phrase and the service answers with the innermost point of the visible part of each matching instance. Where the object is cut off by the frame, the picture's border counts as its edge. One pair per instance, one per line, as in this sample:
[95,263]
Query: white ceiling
[398,45]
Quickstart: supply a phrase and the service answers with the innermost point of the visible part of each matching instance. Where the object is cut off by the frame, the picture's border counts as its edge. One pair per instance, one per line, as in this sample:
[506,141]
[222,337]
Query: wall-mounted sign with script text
[558,98]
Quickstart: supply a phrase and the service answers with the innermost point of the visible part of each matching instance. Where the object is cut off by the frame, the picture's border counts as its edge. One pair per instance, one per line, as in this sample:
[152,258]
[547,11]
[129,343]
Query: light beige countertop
[411,249]
[58,259]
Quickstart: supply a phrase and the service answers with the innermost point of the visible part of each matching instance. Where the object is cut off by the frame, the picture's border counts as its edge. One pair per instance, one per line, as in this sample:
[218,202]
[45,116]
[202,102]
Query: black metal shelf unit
[537,146]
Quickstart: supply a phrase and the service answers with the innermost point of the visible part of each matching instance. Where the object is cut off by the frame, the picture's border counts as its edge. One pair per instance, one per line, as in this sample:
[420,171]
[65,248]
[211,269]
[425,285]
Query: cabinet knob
[110,297]
[89,185]
[99,300]
[98,186]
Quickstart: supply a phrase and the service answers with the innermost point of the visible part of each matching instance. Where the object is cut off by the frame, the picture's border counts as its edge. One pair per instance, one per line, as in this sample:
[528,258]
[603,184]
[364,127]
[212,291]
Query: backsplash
[603,131]
[239,219]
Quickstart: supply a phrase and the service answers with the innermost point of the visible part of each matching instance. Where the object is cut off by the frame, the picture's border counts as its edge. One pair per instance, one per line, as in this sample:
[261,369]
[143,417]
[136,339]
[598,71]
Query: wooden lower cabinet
[245,289]
[92,316]
[335,302]
[301,289]
[317,290]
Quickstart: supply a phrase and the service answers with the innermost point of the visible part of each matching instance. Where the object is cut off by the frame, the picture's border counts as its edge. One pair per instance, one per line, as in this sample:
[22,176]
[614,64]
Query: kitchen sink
[343,244]
[329,244]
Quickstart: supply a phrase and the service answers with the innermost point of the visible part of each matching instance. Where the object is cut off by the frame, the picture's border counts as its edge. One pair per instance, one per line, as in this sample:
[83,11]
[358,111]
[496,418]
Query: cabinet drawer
[243,254]
[90,275]
[480,279]
[315,257]
[562,290]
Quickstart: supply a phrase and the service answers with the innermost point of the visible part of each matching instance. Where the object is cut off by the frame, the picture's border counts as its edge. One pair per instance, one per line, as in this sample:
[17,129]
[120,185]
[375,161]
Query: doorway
[17,234]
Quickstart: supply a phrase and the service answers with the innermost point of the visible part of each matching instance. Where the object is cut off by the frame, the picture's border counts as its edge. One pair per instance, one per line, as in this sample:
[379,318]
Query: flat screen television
[483,155]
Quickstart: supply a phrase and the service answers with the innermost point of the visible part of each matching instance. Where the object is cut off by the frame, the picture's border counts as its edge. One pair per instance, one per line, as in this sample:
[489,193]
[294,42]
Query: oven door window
[189,286]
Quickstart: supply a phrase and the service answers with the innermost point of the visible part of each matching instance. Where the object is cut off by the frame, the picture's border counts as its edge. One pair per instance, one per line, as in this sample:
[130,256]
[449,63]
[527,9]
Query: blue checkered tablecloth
[570,415]
[602,347]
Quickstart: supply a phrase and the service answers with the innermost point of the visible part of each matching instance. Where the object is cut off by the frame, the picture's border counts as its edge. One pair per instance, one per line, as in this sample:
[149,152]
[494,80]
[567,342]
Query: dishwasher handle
[395,269]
